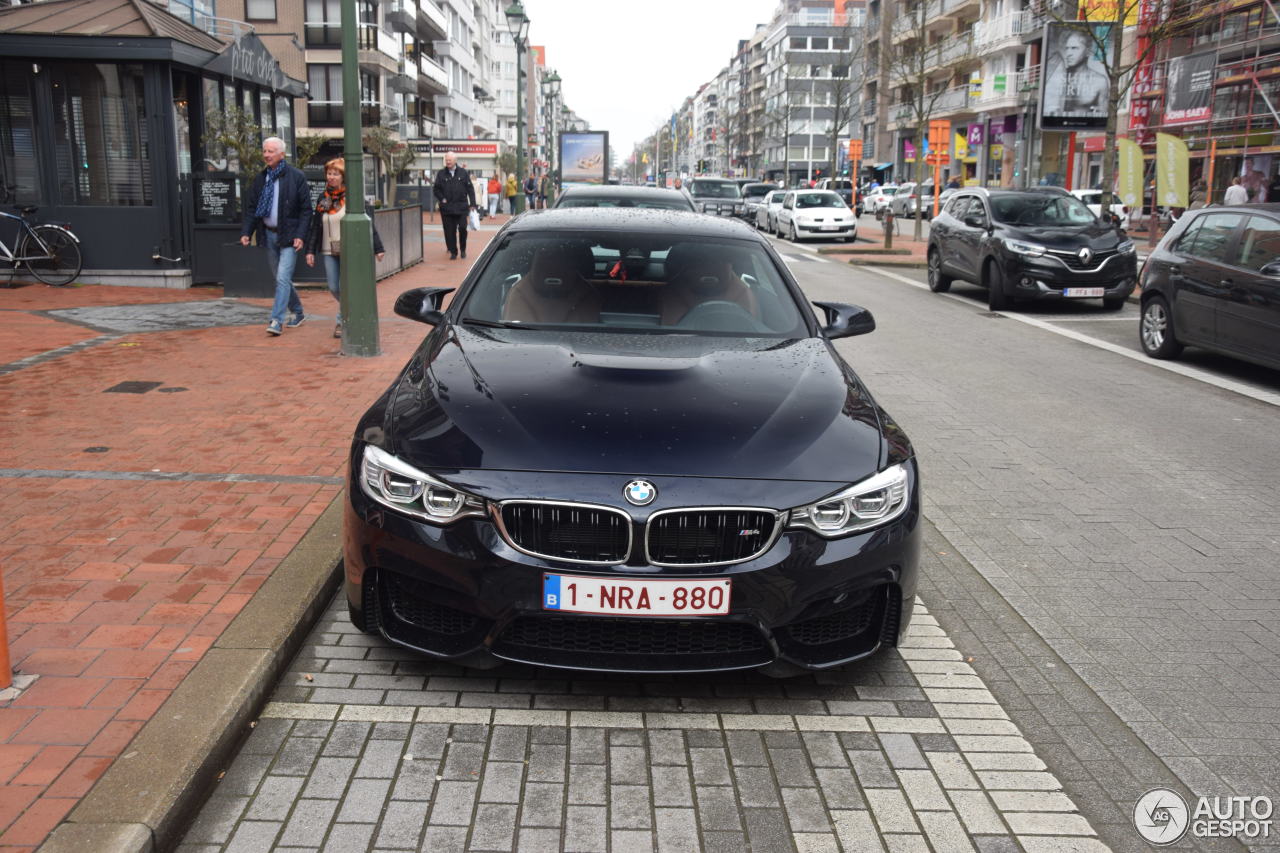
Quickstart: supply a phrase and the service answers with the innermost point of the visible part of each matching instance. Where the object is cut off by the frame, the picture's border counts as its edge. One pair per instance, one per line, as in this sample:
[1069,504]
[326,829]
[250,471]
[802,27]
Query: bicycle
[50,252]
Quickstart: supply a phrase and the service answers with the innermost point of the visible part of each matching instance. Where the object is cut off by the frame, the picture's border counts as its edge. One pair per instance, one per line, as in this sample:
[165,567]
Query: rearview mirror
[422,304]
[1271,270]
[845,321]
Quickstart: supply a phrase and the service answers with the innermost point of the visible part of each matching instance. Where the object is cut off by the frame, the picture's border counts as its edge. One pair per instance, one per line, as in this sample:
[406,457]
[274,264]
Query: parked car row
[805,214]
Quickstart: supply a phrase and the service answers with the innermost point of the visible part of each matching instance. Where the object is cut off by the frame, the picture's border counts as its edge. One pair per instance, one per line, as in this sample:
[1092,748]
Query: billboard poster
[584,157]
[1190,87]
[1074,84]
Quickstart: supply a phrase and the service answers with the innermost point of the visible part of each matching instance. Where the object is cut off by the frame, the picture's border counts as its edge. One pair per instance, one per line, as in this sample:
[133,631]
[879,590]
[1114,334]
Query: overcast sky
[627,65]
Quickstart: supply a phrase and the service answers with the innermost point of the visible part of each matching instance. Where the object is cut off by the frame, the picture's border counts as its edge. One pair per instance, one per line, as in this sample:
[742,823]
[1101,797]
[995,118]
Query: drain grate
[133,387]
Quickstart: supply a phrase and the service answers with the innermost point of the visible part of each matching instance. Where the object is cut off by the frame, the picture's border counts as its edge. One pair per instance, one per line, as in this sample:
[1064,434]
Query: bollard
[888,228]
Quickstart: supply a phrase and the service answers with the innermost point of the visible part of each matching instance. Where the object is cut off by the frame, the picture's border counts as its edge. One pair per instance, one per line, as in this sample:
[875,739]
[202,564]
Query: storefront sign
[975,135]
[247,58]
[489,149]
[1190,87]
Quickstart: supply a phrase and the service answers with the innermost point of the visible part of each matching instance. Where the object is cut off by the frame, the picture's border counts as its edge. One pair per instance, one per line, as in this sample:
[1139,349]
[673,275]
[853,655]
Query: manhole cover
[133,387]
[96,449]
[203,314]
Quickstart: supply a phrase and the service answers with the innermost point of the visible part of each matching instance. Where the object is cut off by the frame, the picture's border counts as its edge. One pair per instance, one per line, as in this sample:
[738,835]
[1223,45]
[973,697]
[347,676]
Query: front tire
[792,235]
[1155,329]
[938,282]
[997,300]
[64,261]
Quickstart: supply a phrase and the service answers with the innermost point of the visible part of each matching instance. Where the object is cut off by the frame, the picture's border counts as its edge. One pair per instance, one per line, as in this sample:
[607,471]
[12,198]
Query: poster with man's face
[1190,87]
[1074,85]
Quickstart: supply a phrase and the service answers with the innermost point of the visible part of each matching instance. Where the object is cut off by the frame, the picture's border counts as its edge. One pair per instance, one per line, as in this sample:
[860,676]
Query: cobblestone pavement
[367,746]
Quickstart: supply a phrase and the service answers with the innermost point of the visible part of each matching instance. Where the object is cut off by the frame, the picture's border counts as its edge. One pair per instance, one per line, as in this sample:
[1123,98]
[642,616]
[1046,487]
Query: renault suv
[1041,244]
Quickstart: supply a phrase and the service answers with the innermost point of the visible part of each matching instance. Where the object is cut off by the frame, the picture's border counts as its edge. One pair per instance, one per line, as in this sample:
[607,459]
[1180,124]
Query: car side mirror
[422,304]
[975,221]
[845,321]
[1271,270]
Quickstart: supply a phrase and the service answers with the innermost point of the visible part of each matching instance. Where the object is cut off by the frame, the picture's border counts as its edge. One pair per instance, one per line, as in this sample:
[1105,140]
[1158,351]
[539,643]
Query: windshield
[615,201]
[757,190]
[822,199]
[1040,210]
[615,281]
[716,189]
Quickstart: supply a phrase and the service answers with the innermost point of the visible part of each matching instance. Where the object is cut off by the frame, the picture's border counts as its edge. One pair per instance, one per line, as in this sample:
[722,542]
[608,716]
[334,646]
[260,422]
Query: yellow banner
[1109,10]
[1129,176]
[962,146]
[1171,171]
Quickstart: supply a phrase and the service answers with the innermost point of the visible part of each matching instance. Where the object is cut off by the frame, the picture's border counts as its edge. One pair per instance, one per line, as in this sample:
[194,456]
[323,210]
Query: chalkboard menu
[215,196]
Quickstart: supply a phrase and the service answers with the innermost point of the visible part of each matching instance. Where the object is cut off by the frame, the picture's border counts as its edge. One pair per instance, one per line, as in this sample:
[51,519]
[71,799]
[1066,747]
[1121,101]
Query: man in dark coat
[278,211]
[456,197]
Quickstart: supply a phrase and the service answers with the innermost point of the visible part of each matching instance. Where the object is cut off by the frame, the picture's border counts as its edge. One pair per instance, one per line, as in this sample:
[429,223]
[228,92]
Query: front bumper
[463,593]
[842,229]
[1047,278]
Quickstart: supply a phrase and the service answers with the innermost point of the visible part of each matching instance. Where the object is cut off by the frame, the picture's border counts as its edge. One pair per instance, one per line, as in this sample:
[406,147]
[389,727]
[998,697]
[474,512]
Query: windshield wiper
[498,324]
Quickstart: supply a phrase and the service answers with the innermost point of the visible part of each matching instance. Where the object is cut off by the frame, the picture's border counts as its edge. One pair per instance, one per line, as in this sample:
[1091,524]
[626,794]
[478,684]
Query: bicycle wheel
[61,262]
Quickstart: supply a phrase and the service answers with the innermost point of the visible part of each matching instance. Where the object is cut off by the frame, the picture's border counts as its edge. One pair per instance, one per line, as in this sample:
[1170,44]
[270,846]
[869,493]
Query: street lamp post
[518,26]
[359,303]
[551,90]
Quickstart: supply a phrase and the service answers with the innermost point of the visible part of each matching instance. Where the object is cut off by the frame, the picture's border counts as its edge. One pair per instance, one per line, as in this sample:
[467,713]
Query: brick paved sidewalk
[162,455]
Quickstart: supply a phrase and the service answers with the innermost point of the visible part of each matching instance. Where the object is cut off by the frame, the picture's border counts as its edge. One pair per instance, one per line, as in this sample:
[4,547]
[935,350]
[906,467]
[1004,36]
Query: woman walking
[325,234]
[510,193]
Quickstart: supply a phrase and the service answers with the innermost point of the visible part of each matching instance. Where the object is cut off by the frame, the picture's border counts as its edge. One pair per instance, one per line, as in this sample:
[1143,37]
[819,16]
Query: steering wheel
[720,315]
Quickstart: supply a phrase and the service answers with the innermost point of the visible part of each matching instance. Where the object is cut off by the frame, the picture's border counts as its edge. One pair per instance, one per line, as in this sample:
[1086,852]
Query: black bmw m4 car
[628,444]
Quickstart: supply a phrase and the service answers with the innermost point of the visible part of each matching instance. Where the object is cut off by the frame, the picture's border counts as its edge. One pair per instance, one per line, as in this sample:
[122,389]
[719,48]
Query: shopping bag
[473,221]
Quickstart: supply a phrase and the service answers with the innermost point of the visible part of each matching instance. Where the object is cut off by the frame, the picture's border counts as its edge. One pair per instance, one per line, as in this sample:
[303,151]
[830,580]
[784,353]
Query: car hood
[1096,236]
[646,405]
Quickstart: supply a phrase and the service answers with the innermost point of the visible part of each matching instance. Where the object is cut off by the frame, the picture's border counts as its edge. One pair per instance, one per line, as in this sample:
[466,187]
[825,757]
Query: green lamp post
[518,26]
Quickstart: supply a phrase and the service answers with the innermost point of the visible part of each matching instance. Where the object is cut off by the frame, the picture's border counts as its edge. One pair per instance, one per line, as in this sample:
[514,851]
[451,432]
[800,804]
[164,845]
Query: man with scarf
[278,211]
[456,198]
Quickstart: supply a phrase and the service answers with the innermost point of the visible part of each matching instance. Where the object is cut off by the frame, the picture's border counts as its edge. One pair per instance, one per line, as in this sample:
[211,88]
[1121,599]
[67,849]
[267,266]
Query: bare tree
[308,145]
[394,155]
[845,89]
[1164,20]
[913,69]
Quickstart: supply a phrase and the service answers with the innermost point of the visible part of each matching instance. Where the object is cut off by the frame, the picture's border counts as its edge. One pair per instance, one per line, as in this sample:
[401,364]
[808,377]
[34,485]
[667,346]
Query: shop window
[100,135]
[260,10]
[17,134]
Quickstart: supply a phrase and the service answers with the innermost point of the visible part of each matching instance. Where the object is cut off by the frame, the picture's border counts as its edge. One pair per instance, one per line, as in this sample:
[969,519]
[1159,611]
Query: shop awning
[879,167]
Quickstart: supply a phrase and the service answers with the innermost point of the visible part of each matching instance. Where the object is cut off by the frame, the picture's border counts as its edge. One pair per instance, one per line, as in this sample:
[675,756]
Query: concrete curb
[150,792]
[882,261]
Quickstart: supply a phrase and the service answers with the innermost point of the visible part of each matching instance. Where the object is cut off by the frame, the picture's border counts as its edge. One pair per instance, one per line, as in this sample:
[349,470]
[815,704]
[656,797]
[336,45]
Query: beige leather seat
[702,273]
[556,289]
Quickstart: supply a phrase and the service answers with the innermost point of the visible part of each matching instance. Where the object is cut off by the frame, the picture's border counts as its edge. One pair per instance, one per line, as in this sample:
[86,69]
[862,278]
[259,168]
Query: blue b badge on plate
[551,592]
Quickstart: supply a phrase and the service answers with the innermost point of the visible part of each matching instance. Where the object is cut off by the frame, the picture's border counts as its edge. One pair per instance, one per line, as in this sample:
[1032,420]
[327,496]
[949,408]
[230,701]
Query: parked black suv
[1030,244]
[1214,281]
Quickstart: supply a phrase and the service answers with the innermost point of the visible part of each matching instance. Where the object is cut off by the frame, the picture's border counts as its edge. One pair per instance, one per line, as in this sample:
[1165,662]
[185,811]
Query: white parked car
[816,213]
[878,199]
[910,196]
[1093,200]
[767,211]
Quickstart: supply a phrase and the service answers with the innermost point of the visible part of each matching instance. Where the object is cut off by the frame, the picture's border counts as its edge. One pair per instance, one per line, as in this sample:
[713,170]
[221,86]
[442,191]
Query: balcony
[431,21]
[402,16]
[869,106]
[378,50]
[432,76]
[1002,91]
[329,113]
[951,101]
[1005,31]
[405,80]
[951,51]
[960,7]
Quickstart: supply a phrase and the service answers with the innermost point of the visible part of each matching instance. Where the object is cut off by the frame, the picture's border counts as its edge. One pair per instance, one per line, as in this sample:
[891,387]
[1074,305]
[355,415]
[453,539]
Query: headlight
[1126,248]
[398,485]
[802,218]
[874,502]
[1031,250]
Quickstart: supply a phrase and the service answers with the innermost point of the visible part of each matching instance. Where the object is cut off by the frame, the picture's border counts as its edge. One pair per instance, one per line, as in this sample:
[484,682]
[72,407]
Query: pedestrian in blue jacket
[278,213]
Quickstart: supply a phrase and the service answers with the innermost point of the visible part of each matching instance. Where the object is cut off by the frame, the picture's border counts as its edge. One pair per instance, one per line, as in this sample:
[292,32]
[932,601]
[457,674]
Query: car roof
[622,191]
[643,220]
[1248,207]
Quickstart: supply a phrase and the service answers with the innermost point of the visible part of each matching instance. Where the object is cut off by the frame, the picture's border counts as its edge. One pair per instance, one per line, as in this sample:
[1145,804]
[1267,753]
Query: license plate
[1083,292]
[634,597]
[830,227]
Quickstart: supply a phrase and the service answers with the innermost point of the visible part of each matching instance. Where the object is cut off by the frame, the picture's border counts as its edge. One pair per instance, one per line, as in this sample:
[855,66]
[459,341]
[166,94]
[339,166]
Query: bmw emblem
[639,492]
[1086,254]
